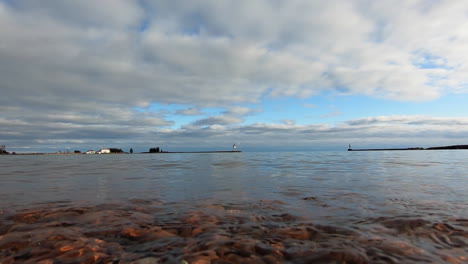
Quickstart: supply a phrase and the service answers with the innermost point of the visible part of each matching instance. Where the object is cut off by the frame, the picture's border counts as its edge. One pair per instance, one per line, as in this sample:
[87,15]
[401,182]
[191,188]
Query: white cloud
[331,114]
[411,120]
[218,131]
[195,53]
[309,105]
[288,122]
[241,111]
[218,120]
[382,131]
[88,63]
[192,111]
[86,13]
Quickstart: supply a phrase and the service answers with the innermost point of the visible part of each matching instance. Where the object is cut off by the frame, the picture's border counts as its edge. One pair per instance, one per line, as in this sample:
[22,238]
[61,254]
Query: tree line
[154,150]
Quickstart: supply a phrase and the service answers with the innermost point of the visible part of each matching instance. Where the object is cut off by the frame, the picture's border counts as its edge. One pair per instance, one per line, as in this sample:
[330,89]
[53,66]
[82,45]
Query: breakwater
[210,151]
[431,148]
[385,149]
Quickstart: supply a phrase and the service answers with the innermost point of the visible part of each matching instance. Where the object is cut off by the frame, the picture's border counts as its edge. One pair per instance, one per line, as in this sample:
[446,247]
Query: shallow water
[301,207]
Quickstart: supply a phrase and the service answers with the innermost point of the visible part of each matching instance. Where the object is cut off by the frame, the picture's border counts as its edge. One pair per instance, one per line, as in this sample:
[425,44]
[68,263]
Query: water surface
[354,207]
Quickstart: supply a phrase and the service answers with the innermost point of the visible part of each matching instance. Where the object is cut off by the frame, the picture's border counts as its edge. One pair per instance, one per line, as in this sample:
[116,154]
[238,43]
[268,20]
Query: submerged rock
[142,234]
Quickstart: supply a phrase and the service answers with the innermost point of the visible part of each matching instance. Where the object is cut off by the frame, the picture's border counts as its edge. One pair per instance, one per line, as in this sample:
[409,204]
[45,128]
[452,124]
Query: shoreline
[397,149]
[452,147]
[123,153]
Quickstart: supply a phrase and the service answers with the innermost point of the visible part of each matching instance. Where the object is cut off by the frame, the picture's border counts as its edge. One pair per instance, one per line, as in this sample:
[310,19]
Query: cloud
[189,112]
[105,13]
[331,114]
[49,130]
[309,105]
[411,120]
[219,131]
[218,120]
[241,111]
[87,64]
[383,131]
[193,53]
[288,122]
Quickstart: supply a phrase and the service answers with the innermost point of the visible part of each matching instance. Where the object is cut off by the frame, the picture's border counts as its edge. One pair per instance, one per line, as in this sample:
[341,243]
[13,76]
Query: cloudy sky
[204,74]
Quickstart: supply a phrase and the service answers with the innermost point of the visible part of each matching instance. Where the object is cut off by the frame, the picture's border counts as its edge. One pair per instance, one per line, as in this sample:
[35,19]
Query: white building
[90,152]
[103,151]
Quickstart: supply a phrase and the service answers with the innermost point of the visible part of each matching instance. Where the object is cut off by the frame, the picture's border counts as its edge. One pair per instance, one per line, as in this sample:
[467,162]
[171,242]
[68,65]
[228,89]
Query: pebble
[301,233]
[142,235]
[202,257]
[148,260]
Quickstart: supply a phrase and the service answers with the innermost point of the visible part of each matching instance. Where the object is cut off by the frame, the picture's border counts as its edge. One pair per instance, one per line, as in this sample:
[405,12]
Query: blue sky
[328,107]
[306,75]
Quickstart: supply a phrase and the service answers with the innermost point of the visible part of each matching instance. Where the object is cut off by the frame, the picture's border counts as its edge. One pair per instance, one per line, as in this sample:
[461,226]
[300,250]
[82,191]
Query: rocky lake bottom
[144,232]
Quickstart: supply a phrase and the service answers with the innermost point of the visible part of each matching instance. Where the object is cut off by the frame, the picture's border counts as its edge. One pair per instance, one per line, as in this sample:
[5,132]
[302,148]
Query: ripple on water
[320,207]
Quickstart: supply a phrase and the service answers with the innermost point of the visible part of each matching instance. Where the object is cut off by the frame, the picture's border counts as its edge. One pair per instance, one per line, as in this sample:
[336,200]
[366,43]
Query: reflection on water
[374,207]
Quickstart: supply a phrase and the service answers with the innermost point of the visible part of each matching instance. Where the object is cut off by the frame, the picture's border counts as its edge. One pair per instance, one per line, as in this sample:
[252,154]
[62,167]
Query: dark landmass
[431,148]
[116,150]
[64,154]
[155,150]
[385,149]
[450,147]
[160,152]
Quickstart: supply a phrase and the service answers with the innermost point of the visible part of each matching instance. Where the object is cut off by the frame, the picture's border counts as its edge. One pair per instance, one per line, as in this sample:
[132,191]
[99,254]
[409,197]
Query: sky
[267,75]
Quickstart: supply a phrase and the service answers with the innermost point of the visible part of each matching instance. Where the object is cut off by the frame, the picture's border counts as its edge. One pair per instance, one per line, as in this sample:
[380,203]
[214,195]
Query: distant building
[90,152]
[104,151]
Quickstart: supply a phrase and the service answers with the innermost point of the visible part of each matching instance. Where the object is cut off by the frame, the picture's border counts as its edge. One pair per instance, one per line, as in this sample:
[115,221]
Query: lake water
[298,207]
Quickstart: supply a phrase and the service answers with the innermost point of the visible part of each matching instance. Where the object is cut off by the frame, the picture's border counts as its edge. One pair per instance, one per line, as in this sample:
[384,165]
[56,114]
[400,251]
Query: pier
[397,149]
[386,149]
[209,151]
